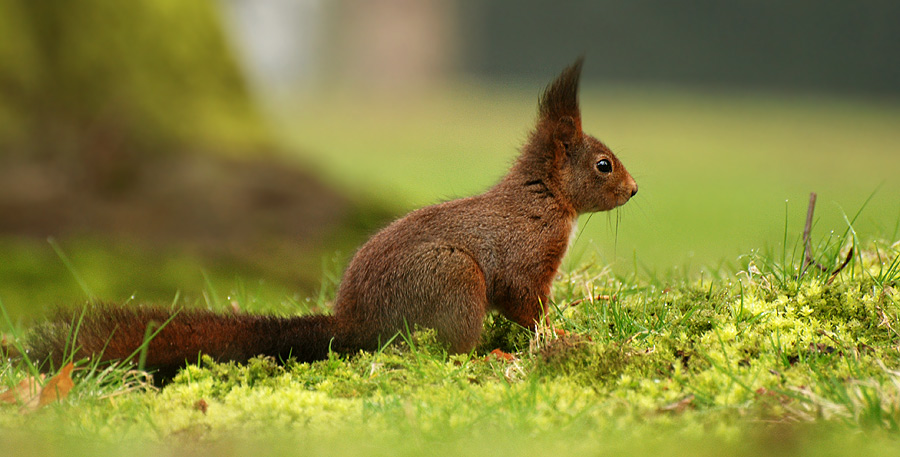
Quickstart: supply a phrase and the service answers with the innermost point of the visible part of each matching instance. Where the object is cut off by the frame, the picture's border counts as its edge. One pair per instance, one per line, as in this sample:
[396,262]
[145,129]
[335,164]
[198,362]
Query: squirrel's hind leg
[446,291]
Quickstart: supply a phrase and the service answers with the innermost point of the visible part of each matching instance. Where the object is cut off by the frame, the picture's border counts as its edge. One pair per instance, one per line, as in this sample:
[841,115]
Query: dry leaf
[500,355]
[23,392]
[57,387]
[201,405]
[32,396]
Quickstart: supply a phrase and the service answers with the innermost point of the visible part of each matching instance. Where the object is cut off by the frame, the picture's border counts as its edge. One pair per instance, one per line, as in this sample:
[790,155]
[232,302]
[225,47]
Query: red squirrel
[442,267]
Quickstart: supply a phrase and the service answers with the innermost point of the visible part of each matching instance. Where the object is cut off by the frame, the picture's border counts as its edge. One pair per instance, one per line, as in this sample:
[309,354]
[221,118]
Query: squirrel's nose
[634,191]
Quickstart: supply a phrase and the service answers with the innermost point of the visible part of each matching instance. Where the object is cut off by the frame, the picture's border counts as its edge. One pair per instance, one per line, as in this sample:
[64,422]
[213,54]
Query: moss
[695,361]
[595,363]
[503,334]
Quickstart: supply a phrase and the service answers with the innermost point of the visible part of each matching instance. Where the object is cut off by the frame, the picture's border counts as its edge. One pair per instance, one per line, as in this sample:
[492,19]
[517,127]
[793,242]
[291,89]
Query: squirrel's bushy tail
[176,337]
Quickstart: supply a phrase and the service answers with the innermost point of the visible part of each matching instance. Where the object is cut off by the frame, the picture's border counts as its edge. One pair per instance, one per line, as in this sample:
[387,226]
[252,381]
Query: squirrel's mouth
[622,197]
[624,193]
[610,204]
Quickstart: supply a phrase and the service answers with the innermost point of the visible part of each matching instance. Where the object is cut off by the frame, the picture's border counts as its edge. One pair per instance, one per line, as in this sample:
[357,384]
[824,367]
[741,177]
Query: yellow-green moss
[693,361]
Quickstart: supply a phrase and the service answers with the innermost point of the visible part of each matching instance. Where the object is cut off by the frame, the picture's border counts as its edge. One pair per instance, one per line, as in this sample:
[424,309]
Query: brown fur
[117,333]
[443,266]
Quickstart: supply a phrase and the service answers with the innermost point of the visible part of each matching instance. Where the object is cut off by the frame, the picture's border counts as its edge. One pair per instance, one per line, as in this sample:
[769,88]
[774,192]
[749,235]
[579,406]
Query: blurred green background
[196,151]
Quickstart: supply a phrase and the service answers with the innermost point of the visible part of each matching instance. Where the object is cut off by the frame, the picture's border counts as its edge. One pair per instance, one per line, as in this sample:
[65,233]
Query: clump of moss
[503,334]
[592,363]
[564,352]
[422,341]
[229,375]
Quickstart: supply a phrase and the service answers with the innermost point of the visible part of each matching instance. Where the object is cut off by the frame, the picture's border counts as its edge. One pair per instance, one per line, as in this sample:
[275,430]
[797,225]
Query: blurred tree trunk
[100,86]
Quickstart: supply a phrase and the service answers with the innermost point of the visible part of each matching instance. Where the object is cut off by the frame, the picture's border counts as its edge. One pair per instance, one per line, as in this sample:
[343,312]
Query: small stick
[807,245]
[843,265]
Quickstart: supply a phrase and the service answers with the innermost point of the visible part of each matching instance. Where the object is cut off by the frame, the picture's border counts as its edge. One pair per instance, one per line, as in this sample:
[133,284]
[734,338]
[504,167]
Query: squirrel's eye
[604,166]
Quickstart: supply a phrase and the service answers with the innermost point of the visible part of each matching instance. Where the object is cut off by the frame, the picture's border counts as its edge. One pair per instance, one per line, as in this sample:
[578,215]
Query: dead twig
[807,245]
[843,265]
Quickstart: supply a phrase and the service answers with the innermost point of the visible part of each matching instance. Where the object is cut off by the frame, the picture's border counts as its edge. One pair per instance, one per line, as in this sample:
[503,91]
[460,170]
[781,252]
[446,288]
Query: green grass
[34,280]
[742,363]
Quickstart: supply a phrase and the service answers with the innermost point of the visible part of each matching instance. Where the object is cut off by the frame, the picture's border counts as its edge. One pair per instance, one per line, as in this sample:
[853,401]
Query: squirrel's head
[579,166]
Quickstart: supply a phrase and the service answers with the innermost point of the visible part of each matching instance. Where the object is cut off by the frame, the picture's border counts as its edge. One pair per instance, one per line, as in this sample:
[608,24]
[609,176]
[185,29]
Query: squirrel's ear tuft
[560,99]
[567,131]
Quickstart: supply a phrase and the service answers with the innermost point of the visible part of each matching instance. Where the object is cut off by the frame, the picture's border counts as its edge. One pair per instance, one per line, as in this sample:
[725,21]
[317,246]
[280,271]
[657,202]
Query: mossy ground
[758,360]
